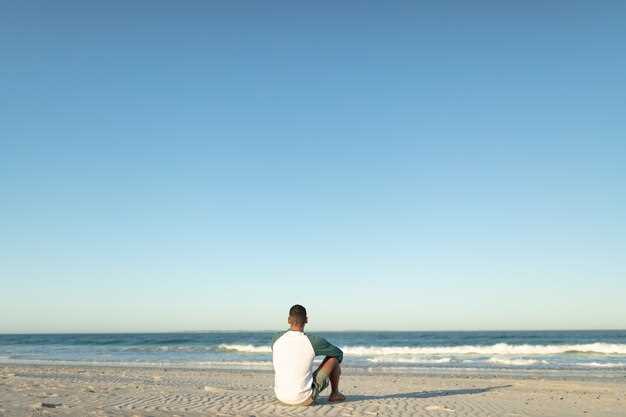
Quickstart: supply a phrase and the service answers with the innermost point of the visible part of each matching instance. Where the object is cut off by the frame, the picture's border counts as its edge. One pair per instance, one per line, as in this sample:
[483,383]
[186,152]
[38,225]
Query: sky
[198,165]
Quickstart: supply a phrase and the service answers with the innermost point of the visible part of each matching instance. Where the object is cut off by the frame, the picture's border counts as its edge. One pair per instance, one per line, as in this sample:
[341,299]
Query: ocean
[571,351]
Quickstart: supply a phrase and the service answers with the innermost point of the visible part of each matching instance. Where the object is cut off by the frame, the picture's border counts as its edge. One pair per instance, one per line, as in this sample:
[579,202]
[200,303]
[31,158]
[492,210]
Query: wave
[601,365]
[497,349]
[516,361]
[384,359]
[234,364]
[244,348]
[148,364]
[187,348]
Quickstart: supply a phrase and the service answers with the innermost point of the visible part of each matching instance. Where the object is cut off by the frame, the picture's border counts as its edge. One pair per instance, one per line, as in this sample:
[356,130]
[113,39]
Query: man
[292,354]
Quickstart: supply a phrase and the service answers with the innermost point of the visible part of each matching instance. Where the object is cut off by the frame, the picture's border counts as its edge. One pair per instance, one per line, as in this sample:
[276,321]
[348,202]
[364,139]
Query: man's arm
[323,347]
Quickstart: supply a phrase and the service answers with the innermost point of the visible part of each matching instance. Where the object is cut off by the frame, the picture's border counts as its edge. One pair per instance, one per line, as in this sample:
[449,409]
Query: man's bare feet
[336,397]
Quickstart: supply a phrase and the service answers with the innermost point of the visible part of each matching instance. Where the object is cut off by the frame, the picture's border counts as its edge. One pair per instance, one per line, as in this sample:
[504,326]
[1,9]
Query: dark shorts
[319,384]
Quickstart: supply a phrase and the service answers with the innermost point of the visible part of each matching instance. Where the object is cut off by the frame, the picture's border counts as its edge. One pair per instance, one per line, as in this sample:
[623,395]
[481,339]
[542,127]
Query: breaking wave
[516,361]
[244,348]
[602,365]
[384,359]
[497,349]
[161,348]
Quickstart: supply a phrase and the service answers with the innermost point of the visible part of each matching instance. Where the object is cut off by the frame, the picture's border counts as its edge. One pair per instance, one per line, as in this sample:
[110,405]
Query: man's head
[297,317]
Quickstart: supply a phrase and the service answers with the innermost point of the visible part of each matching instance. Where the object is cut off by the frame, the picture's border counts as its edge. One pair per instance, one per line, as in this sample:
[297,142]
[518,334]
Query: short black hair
[298,314]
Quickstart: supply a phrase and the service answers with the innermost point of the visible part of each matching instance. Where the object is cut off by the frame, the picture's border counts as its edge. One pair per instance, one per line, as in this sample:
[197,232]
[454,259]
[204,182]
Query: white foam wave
[497,349]
[150,349]
[164,364]
[235,364]
[516,361]
[245,348]
[601,365]
[383,359]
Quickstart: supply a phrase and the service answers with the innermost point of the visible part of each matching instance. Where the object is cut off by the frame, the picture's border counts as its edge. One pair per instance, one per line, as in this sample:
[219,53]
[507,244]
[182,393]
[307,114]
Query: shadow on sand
[424,394]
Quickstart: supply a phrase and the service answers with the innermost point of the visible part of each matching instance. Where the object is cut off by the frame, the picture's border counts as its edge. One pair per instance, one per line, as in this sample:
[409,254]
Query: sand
[83,391]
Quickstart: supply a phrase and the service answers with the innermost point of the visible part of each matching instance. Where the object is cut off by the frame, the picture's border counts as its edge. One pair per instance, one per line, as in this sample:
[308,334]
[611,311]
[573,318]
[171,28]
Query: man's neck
[296,329]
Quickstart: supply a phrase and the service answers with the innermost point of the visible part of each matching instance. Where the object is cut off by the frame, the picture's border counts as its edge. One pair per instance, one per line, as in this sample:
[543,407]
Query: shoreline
[512,373]
[79,391]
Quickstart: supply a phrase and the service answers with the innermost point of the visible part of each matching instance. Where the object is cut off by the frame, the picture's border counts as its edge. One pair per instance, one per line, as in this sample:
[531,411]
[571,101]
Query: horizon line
[27,333]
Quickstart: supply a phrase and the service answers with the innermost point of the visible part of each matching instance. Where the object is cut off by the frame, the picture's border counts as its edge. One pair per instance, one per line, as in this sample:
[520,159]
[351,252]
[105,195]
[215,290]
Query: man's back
[292,356]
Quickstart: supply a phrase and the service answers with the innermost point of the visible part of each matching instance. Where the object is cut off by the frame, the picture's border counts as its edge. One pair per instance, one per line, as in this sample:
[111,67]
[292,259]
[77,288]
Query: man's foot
[336,397]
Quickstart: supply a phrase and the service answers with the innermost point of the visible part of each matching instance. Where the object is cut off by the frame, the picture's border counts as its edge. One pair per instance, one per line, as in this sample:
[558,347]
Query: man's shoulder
[316,341]
[321,346]
[313,338]
[277,336]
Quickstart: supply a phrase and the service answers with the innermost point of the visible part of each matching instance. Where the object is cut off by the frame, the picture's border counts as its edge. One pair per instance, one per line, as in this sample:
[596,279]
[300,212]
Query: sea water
[572,351]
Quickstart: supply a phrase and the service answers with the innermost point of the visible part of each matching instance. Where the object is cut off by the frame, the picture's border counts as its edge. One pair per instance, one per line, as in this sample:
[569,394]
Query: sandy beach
[37,390]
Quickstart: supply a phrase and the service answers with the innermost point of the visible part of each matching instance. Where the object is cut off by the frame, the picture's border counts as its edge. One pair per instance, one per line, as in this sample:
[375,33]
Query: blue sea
[572,351]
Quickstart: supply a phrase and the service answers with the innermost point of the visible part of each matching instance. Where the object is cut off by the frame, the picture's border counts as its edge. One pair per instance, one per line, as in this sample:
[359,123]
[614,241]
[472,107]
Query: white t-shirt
[292,355]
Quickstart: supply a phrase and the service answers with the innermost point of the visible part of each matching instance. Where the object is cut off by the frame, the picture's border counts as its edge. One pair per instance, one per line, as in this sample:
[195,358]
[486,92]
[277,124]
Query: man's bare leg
[331,367]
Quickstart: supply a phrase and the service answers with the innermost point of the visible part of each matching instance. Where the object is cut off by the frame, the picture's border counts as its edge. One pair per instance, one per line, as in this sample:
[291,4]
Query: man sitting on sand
[292,354]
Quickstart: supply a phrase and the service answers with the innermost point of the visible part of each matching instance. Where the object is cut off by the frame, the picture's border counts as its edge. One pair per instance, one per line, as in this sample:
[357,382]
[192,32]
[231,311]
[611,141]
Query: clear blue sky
[204,165]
